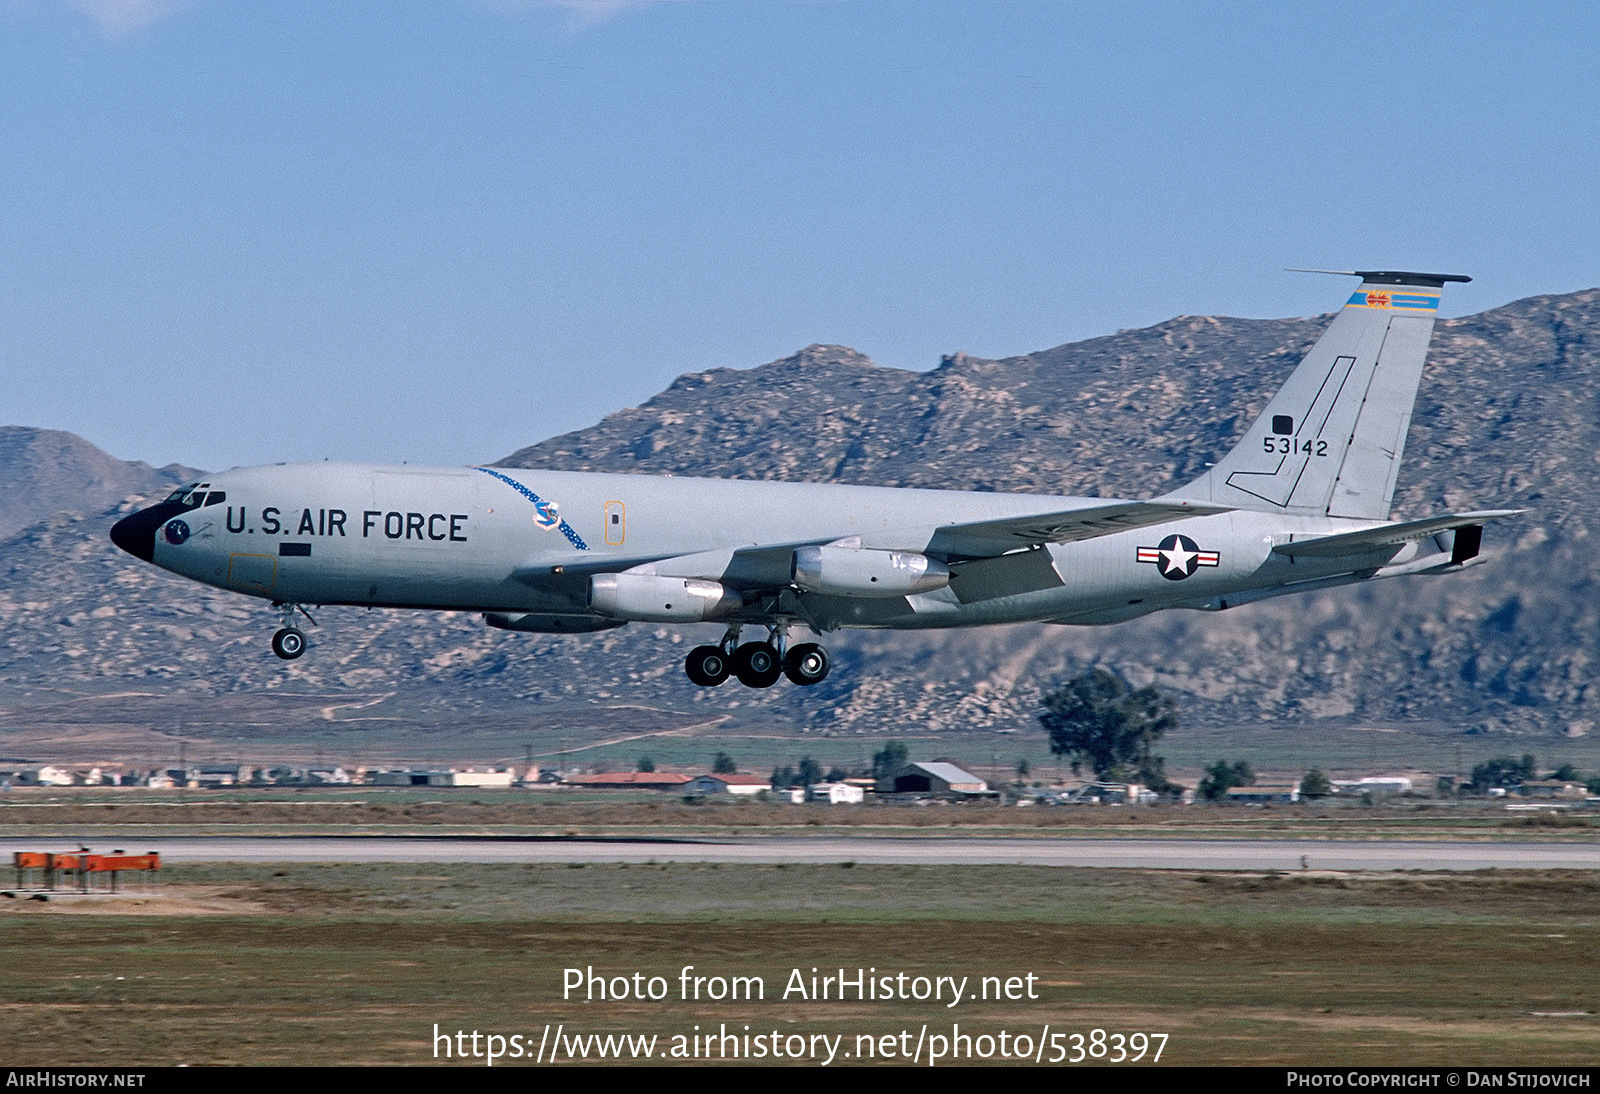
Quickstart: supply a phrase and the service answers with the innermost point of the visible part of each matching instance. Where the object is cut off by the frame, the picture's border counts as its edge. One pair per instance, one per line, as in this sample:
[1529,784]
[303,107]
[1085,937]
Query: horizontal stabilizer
[988,538]
[1389,535]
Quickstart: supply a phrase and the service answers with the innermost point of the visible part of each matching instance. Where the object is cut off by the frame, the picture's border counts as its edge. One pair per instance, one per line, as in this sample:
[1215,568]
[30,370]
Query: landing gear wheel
[756,665]
[707,666]
[806,664]
[288,643]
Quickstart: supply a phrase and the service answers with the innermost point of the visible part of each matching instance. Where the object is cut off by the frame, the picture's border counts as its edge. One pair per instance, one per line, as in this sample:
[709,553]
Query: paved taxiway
[1141,854]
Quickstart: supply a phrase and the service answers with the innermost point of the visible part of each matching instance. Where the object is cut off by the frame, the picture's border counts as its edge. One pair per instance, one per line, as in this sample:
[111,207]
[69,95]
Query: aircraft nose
[136,534]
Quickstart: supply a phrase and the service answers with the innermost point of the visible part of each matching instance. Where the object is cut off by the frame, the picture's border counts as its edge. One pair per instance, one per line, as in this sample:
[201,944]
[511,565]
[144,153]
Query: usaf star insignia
[1178,557]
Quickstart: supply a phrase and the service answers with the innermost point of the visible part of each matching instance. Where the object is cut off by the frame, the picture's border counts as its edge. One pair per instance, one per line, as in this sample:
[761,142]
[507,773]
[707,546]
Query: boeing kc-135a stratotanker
[1301,503]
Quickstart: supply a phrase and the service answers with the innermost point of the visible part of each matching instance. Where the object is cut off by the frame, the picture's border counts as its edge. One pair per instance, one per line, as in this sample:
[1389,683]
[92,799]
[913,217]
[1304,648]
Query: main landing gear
[757,664]
[290,642]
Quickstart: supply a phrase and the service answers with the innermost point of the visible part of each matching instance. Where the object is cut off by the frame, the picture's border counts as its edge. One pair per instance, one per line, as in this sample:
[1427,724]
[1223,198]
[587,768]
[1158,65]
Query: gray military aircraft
[1302,502]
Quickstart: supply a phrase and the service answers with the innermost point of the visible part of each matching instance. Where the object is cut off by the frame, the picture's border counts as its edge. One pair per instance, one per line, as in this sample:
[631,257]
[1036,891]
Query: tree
[1501,771]
[1100,719]
[891,758]
[724,765]
[1222,777]
[1315,784]
[810,771]
[646,764]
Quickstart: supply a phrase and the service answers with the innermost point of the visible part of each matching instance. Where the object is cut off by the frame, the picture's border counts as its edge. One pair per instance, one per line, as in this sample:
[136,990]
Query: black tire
[806,664]
[756,665]
[288,643]
[707,666]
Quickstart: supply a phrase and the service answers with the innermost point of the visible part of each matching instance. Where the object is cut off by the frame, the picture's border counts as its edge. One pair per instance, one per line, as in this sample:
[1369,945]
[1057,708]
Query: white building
[835,793]
[440,777]
[1372,784]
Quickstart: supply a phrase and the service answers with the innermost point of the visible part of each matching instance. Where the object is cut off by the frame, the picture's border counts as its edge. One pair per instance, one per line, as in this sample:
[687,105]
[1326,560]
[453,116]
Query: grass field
[90,814]
[358,964]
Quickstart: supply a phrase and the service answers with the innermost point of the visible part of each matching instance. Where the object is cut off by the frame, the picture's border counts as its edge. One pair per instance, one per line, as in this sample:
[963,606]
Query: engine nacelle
[650,598]
[852,571]
[548,624]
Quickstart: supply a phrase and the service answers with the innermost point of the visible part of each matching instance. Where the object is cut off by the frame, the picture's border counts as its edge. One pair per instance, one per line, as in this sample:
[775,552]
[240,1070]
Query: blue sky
[242,232]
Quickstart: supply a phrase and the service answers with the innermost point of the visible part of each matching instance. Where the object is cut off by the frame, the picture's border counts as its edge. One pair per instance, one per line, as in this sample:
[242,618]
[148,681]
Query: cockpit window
[194,496]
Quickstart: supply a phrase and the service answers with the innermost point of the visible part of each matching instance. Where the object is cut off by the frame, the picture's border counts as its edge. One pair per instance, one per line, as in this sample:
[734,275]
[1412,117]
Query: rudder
[1331,439]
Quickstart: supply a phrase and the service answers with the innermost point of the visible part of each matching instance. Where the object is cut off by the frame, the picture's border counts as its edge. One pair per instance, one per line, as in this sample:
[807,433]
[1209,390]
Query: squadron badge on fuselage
[547,515]
[1178,557]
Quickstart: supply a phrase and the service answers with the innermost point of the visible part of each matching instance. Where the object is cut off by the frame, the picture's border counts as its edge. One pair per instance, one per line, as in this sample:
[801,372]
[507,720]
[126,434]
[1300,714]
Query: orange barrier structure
[60,867]
[28,860]
[116,862]
[57,865]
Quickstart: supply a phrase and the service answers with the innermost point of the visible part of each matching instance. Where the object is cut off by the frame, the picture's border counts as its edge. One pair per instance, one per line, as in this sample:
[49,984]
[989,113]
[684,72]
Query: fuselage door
[616,523]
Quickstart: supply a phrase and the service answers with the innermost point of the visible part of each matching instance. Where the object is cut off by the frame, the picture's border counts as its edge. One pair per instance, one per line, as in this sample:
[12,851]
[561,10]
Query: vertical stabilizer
[1330,442]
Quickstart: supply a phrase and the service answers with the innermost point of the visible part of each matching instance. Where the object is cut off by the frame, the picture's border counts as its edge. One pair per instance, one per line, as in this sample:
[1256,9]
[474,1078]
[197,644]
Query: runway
[1135,854]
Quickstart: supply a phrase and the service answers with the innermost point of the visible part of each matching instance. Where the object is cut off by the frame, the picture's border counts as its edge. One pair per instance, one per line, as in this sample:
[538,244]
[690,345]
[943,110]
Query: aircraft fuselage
[512,540]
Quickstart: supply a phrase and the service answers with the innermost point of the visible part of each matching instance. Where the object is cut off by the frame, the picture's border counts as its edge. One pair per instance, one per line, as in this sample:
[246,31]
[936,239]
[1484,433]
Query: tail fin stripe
[1347,363]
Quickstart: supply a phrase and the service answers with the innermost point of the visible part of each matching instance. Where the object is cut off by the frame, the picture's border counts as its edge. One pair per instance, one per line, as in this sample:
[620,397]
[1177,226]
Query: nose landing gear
[290,642]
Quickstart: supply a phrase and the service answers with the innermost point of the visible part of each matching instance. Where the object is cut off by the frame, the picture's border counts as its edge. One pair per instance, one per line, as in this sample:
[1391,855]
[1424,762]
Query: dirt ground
[373,964]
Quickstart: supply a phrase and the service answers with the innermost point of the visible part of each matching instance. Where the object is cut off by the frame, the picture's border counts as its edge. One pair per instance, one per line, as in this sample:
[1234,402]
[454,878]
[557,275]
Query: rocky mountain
[1507,418]
[47,472]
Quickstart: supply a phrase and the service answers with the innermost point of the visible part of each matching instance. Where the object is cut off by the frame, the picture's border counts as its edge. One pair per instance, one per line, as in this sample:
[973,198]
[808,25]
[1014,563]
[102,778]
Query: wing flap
[989,538]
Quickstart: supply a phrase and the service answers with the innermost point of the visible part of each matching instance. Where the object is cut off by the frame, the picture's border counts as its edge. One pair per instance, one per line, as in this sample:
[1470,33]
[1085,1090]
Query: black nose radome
[136,534]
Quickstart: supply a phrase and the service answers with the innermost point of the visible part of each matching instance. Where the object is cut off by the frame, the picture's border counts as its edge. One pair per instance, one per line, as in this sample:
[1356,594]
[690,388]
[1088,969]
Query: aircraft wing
[1390,535]
[754,566]
[766,565]
[542,572]
[988,538]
